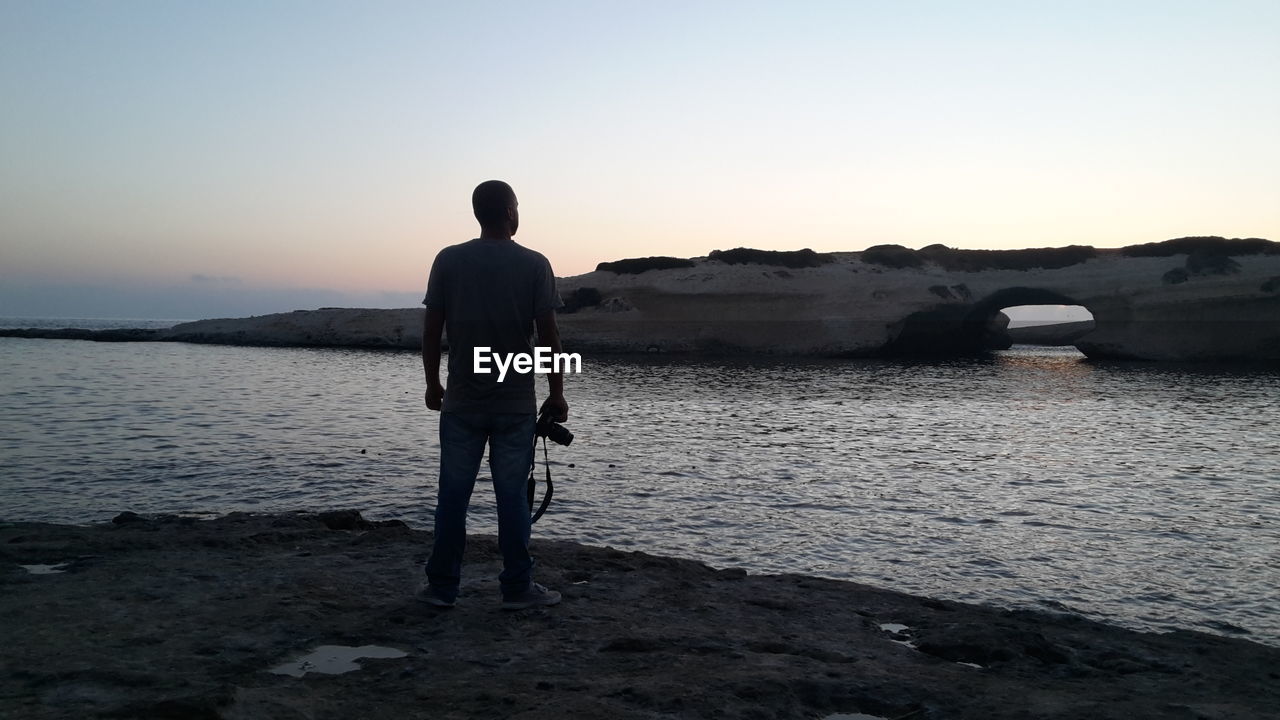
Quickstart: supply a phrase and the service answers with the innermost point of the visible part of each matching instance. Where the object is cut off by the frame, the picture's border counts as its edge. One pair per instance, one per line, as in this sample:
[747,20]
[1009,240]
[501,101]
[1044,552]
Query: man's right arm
[432,329]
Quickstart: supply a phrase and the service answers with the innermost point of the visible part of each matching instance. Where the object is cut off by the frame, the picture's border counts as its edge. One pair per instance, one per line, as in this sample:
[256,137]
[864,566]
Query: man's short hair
[490,201]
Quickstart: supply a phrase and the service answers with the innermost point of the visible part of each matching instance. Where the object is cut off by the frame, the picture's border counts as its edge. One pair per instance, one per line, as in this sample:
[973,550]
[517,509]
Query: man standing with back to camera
[488,292]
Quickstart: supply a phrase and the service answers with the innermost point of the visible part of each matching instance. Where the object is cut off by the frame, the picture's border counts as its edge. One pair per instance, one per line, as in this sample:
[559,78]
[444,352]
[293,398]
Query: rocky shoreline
[183,618]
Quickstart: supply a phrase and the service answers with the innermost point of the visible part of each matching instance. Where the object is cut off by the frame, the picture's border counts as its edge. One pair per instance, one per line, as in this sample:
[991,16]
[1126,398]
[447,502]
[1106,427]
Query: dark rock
[127,517]
[615,304]
[1211,244]
[388,525]
[634,644]
[995,335]
[1205,262]
[769,603]
[805,258]
[194,708]
[1025,259]
[635,266]
[893,256]
[986,646]
[343,520]
[1122,663]
[583,297]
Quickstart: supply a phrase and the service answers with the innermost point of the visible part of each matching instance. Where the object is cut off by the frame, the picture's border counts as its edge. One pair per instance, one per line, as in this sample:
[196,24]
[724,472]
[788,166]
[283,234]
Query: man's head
[494,203]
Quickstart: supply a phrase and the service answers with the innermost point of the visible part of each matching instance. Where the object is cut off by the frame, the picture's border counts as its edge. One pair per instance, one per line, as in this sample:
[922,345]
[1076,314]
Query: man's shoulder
[534,255]
[511,254]
[459,255]
[523,256]
[455,249]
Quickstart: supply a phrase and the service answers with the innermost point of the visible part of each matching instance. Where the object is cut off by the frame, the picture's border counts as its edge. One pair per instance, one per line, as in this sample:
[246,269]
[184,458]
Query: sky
[175,159]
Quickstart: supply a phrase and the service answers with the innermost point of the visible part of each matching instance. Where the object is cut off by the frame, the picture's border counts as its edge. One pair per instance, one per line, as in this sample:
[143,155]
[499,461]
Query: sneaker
[430,596]
[535,596]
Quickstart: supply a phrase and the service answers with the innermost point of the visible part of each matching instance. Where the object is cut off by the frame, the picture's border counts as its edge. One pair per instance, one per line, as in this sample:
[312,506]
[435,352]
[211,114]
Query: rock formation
[1204,298]
[329,327]
[1186,299]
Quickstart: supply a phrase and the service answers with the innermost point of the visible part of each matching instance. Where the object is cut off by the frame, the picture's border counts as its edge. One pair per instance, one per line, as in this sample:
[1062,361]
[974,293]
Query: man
[488,292]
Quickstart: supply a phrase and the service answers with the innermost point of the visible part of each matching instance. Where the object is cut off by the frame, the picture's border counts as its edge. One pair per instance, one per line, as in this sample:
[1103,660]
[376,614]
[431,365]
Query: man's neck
[495,234]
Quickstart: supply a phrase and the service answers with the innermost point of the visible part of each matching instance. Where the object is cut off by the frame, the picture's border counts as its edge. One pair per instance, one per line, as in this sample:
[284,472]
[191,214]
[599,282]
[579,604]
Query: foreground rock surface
[172,617]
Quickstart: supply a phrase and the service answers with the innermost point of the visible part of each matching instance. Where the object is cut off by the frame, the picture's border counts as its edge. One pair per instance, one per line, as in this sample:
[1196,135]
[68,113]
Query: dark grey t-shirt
[490,292]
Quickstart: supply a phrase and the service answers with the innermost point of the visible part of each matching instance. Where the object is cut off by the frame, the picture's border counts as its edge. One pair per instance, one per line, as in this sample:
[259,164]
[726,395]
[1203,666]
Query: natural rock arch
[968,327]
[983,328]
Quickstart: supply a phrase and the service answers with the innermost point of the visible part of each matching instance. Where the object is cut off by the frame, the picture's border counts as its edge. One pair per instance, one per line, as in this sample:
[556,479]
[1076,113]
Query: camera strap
[546,463]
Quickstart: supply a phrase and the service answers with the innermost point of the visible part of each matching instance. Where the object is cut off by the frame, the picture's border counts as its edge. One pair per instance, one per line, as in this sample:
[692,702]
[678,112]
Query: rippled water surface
[1147,495]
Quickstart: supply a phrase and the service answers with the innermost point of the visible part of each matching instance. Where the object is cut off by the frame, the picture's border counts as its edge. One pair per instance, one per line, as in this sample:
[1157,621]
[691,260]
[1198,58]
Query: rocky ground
[178,618]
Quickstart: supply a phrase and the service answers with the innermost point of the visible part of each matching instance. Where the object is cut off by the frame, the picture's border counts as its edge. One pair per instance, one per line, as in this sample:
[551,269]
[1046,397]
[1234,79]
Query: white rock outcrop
[1211,304]
[330,327]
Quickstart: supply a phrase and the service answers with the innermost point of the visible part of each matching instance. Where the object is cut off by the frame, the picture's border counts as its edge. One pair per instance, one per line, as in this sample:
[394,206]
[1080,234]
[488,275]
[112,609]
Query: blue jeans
[462,440]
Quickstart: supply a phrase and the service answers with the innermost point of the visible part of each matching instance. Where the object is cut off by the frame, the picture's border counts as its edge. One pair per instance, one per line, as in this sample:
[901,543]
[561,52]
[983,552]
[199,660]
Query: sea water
[1142,494]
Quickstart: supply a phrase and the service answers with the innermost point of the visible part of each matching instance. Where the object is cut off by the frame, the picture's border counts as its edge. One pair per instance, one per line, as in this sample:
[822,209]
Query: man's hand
[556,406]
[435,396]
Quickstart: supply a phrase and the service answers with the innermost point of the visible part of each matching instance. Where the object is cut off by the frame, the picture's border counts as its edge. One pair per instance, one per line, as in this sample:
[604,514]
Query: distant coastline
[87,323]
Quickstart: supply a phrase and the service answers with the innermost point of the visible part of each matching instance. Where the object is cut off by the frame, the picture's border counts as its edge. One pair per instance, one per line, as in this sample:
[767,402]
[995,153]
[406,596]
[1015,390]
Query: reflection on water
[1145,494]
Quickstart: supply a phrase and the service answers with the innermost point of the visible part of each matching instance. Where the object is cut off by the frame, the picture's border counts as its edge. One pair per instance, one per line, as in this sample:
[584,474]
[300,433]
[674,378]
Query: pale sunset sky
[183,160]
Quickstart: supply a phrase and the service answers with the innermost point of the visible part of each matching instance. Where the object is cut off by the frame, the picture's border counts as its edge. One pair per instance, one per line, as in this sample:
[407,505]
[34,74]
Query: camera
[553,431]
